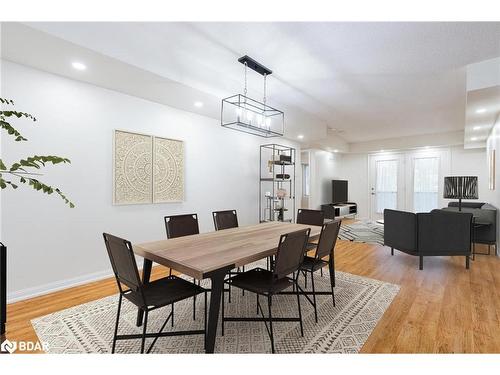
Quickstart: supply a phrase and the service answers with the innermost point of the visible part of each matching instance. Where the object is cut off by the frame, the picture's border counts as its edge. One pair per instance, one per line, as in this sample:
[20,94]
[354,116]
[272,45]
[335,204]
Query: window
[425,184]
[306,180]
[386,185]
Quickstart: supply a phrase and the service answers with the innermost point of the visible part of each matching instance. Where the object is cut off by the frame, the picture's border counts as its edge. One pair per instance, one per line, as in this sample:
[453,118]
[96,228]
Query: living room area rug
[363,231]
[360,303]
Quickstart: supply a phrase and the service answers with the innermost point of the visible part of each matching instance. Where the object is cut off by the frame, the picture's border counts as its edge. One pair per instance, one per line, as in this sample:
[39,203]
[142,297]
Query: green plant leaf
[4,183]
[38,161]
[11,130]
[17,114]
[6,101]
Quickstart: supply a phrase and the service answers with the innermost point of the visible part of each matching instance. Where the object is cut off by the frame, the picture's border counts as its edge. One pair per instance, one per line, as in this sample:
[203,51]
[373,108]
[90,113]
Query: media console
[339,210]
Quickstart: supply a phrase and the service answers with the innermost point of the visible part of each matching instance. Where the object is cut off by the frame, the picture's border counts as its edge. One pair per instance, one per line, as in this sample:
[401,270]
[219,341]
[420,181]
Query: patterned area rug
[363,231]
[360,303]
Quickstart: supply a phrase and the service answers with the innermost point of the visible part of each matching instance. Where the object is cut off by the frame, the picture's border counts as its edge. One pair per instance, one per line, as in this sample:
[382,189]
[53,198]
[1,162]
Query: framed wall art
[147,169]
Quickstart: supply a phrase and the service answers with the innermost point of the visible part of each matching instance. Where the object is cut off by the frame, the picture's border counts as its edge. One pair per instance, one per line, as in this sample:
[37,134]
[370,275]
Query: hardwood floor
[442,309]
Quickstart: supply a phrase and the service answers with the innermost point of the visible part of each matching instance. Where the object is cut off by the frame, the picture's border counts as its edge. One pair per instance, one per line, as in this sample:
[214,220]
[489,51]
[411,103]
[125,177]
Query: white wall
[493,143]
[458,161]
[354,169]
[51,245]
[324,167]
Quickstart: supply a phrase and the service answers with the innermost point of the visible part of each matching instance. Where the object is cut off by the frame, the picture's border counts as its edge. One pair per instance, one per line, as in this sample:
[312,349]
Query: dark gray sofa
[437,233]
[483,213]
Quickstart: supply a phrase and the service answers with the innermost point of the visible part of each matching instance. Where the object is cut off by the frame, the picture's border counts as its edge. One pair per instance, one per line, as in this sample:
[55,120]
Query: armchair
[438,233]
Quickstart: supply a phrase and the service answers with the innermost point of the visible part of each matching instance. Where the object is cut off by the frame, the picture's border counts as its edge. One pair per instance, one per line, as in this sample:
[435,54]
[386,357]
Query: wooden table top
[199,254]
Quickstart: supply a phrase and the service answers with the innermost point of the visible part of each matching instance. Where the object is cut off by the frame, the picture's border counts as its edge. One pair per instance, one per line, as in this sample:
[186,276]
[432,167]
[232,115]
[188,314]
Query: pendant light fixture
[242,113]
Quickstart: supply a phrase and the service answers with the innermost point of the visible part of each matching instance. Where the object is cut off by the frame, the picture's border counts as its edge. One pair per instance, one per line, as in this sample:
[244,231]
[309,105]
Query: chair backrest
[123,262]
[290,254]
[181,225]
[310,217]
[225,219]
[400,230]
[328,238]
[444,233]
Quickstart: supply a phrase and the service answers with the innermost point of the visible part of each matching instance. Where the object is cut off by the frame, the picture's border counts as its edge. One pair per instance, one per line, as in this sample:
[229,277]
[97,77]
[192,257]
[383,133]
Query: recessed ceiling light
[481,110]
[78,65]
[476,127]
[198,104]
[382,150]
[335,150]
[300,136]
[473,139]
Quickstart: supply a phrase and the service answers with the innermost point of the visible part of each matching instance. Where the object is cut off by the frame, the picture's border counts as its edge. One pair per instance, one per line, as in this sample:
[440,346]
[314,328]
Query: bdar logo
[8,347]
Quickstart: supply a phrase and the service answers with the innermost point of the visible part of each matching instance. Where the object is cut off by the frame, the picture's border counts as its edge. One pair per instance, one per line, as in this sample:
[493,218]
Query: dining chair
[147,297]
[325,248]
[310,217]
[289,256]
[180,226]
[226,220]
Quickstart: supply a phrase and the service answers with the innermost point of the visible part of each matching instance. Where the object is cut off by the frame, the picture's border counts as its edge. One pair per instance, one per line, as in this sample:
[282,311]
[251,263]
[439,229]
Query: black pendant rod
[254,65]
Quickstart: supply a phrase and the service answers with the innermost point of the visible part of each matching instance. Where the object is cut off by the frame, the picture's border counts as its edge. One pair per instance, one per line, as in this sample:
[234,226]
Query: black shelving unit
[277,161]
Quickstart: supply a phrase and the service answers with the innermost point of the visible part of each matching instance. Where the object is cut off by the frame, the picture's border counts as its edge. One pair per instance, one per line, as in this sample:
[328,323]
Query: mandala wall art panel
[168,174]
[147,169]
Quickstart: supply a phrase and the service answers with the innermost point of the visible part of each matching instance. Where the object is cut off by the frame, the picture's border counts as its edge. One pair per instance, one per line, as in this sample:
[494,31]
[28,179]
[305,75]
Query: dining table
[212,255]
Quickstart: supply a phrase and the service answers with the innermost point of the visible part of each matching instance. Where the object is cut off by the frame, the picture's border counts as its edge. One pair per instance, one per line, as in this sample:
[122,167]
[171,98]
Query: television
[339,191]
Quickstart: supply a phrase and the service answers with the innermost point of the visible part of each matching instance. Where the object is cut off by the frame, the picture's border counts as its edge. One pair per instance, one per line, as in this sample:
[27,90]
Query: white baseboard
[56,286]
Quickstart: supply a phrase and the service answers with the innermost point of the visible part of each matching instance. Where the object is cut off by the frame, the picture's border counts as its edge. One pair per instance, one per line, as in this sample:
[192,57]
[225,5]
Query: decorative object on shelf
[492,166]
[242,113]
[277,183]
[281,193]
[282,176]
[460,187]
[147,169]
[22,172]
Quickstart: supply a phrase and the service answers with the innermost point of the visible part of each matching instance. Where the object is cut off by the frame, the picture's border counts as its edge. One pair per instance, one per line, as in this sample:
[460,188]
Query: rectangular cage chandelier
[242,113]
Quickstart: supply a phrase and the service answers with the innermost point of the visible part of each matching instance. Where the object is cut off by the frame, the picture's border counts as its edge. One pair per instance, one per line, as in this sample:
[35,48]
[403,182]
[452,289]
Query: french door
[386,184]
[409,181]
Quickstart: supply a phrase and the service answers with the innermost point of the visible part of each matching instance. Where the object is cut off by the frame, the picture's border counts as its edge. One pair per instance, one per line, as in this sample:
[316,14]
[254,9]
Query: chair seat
[311,246]
[164,292]
[259,280]
[312,264]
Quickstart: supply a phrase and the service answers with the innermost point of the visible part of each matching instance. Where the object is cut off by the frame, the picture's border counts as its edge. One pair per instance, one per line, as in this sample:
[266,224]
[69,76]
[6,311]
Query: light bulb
[268,123]
[249,116]
[239,111]
[259,120]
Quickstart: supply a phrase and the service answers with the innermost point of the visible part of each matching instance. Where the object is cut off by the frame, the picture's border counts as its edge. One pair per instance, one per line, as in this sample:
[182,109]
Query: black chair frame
[268,321]
[318,263]
[134,284]
[227,219]
[190,219]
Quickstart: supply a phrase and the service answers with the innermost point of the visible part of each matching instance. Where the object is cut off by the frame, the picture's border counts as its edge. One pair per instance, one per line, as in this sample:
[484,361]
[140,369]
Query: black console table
[335,210]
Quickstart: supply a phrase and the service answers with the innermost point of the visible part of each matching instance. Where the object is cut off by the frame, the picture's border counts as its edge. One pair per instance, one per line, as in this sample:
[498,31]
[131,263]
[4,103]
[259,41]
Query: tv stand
[340,210]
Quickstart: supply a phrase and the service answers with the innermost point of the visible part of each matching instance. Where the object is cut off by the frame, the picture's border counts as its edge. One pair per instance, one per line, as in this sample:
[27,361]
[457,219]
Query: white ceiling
[368,81]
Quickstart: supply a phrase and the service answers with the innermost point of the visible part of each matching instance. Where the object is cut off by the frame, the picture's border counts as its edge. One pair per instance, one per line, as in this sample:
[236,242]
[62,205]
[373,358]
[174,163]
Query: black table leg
[146,274]
[217,278]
